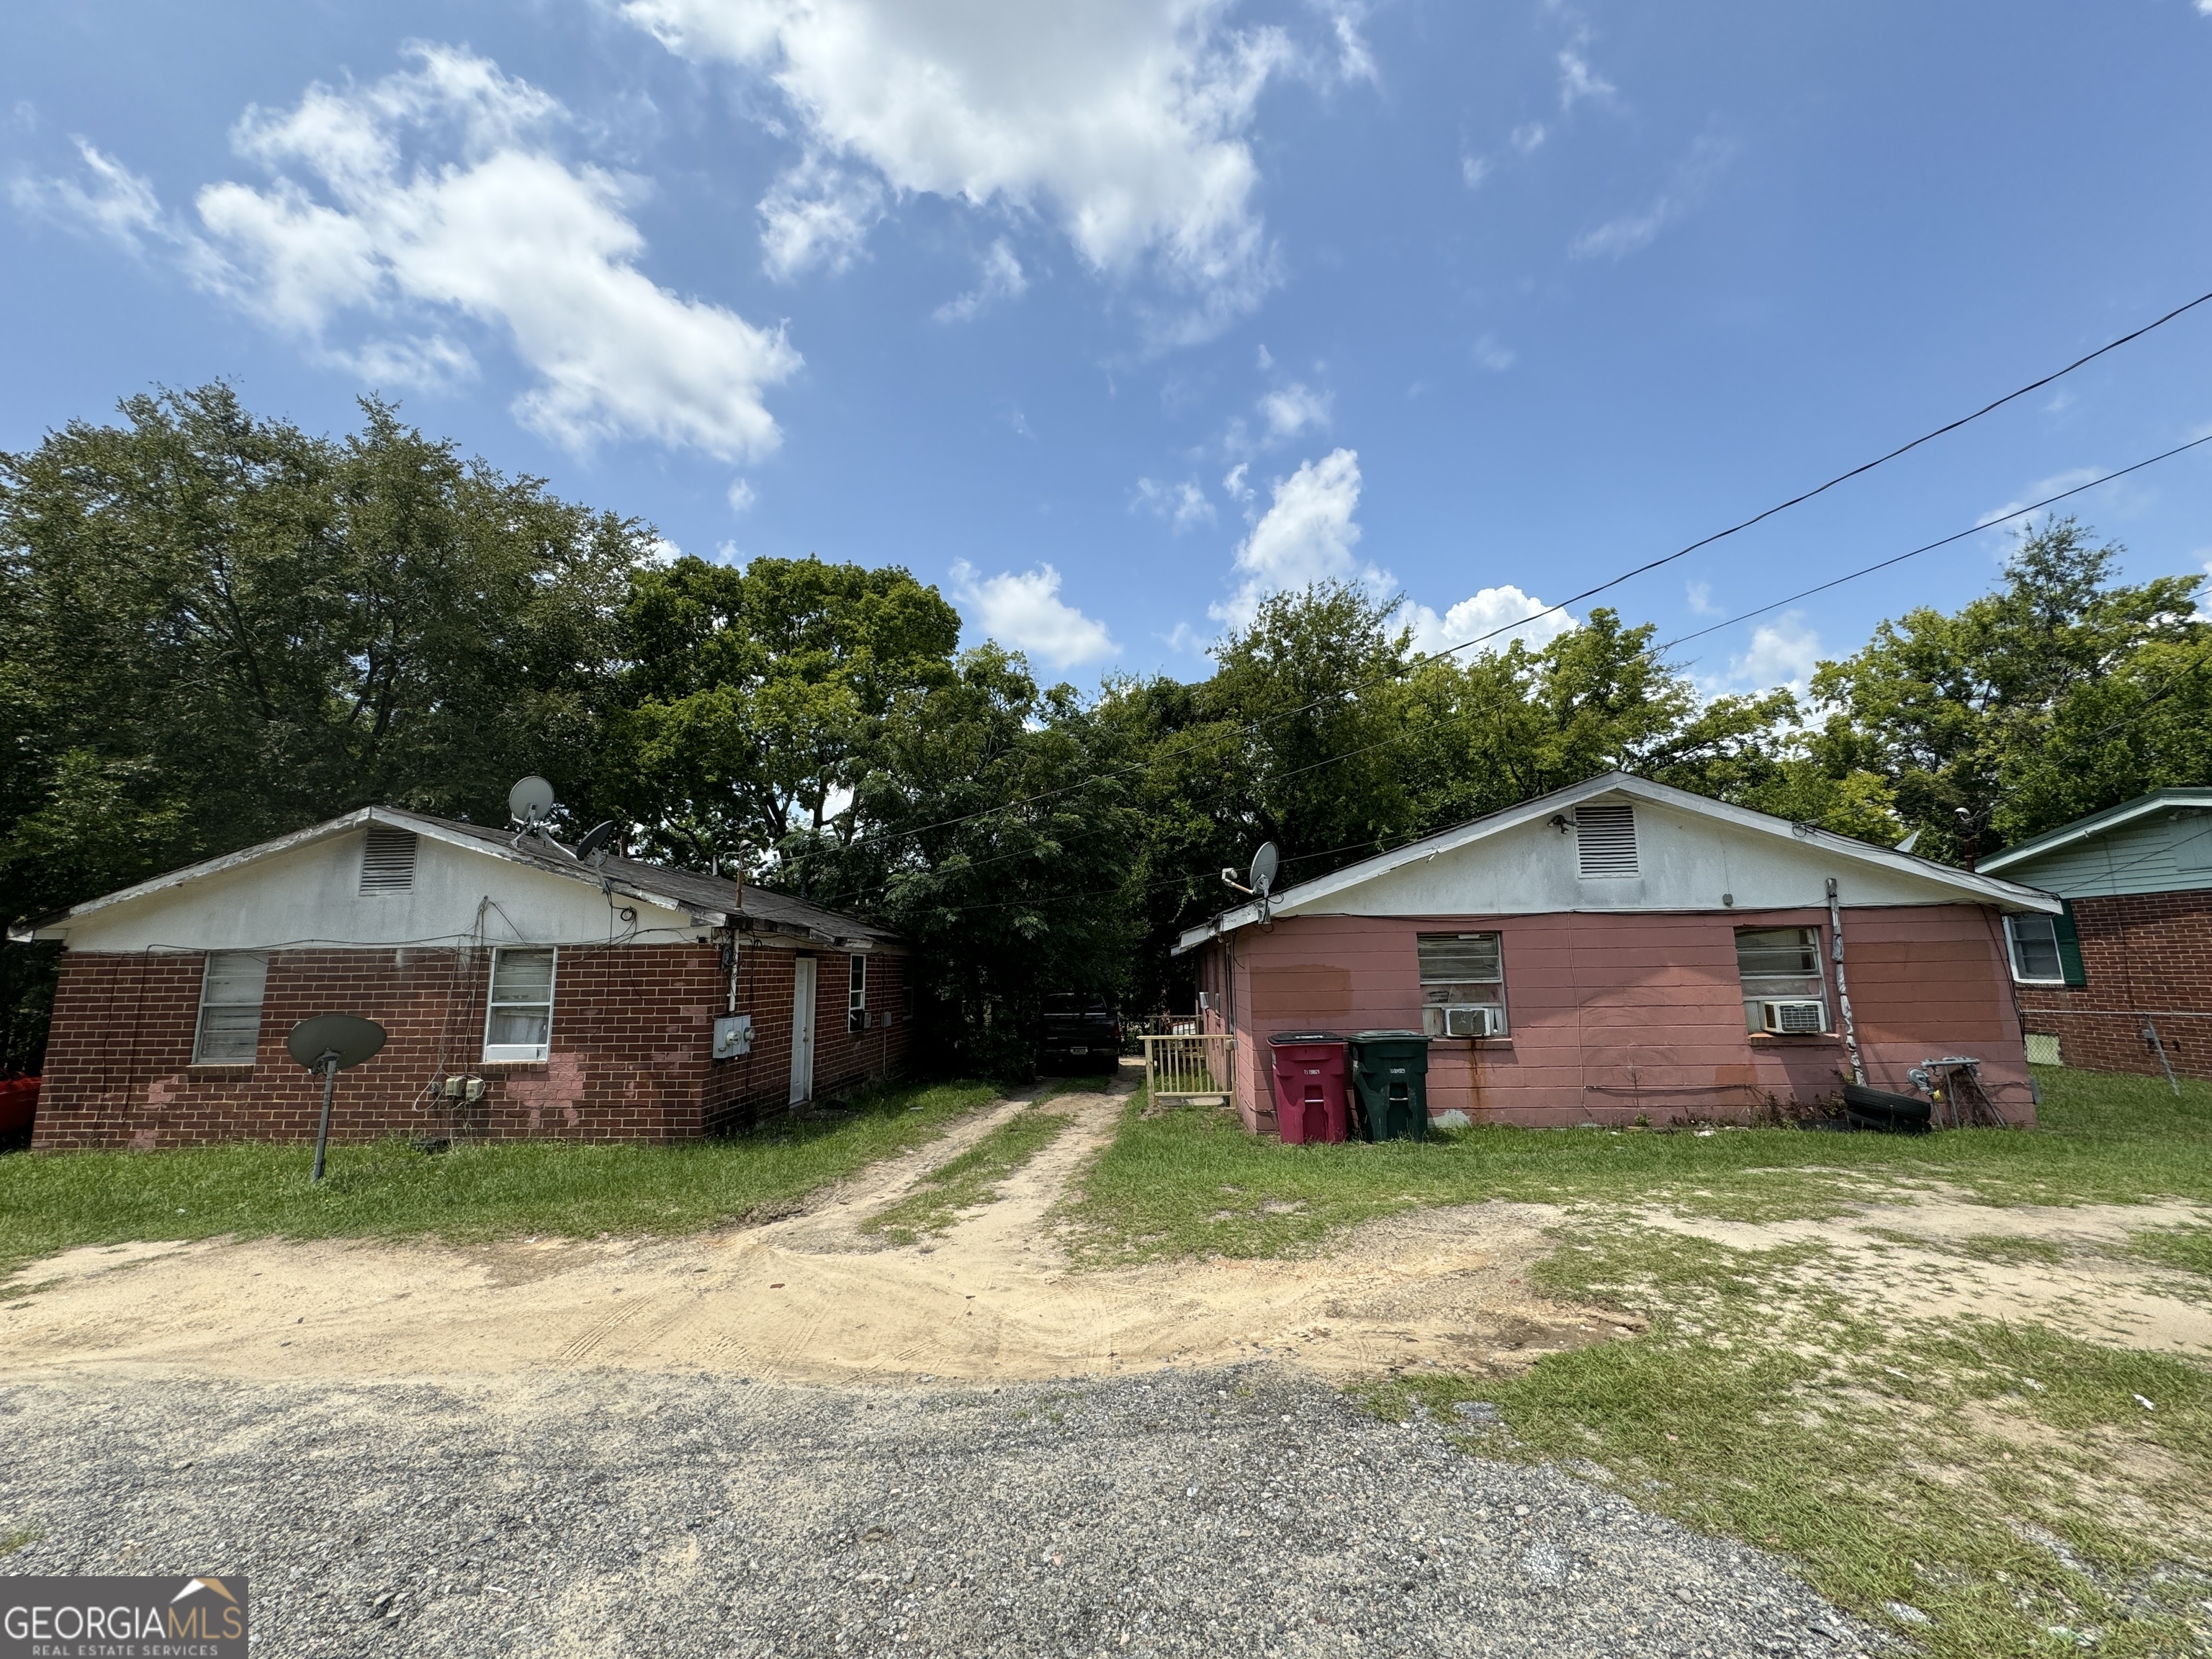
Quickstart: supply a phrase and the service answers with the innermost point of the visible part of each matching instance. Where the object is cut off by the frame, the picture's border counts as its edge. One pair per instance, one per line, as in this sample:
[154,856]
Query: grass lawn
[1190,1181]
[387,1189]
[1978,1488]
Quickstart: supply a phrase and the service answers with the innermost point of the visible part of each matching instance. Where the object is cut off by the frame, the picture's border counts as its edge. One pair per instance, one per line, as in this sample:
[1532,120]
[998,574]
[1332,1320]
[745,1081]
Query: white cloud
[1473,169]
[1492,355]
[112,201]
[1233,482]
[1307,535]
[1579,81]
[1783,651]
[1294,410]
[1266,358]
[741,495]
[1700,598]
[2041,489]
[1184,503]
[1528,137]
[1692,178]
[1123,122]
[1485,614]
[817,214]
[1025,611]
[435,194]
[1002,280]
[662,552]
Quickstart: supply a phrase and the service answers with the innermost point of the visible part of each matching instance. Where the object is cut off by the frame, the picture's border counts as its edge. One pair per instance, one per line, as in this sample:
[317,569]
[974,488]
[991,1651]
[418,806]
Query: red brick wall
[1617,1016]
[632,1036]
[2147,957]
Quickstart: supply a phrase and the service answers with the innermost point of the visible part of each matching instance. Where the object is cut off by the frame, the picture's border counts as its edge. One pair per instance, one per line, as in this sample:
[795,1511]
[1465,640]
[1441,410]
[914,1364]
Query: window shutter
[1605,840]
[2070,945]
[387,859]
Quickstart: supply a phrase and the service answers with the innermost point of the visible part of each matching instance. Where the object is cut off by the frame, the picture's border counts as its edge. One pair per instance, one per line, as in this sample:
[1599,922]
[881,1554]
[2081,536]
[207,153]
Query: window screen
[519,1026]
[231,986]
[1460,970]
[1781,964]
[2035,959]
[856,984]
[387,859]
[1605,840]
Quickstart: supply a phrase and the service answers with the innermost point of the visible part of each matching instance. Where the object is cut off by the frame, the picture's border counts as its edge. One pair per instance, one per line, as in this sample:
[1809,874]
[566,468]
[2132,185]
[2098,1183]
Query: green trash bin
[1390,1082]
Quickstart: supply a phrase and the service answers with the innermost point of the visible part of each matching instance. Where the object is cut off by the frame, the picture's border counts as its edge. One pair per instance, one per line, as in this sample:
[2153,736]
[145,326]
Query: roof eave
[2097,823]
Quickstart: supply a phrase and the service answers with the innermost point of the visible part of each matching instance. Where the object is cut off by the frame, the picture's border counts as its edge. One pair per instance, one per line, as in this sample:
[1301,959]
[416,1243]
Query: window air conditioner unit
[857,1020]
[1474,1020]
[1794,1019]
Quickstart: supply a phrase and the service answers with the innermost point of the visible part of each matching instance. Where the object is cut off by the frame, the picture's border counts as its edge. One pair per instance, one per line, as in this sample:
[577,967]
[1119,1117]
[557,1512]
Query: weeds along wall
[630,1059]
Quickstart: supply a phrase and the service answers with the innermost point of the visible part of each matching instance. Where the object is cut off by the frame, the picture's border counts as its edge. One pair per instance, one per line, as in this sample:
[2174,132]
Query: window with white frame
[231,985]
[1784,990]
[1462,984]
[519,1024]
[2035,958]
[856,984]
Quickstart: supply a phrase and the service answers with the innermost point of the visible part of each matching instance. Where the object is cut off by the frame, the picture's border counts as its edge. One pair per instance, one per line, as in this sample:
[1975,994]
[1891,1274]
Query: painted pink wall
[1618,1017]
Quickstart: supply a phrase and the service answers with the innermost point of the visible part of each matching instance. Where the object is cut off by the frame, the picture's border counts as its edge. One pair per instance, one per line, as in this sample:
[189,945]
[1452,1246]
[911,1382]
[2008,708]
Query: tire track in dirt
[811,1297]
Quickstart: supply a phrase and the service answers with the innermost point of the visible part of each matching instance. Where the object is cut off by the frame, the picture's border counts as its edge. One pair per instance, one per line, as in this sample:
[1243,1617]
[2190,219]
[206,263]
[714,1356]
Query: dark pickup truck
[1079,1031]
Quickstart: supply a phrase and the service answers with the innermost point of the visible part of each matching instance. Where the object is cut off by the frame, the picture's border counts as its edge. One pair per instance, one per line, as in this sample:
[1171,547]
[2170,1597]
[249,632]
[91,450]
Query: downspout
[1843,991]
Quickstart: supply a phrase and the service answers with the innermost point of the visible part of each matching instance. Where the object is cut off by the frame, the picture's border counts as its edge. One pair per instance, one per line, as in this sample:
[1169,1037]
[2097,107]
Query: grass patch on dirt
[2189,1249]
[387,1188]
[2005,1481]
[1159,1190]
[970,1179]
[16,1538]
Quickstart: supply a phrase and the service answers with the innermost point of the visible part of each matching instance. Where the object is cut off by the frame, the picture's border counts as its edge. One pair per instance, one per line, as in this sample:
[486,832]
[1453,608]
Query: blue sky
[1109,316]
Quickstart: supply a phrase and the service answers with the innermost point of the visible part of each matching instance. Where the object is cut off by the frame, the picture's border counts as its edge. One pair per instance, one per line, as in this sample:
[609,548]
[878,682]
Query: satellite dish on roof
[530,801]
[1266,863]
[331,1043]
[594,845]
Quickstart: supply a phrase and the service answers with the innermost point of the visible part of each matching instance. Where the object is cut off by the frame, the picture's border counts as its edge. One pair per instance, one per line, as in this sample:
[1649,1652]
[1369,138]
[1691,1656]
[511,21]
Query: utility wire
[1626,575]
[1884,564]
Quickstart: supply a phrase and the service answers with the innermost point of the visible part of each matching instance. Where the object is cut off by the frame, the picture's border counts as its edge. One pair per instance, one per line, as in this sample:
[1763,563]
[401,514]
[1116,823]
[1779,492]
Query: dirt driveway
[808,1298]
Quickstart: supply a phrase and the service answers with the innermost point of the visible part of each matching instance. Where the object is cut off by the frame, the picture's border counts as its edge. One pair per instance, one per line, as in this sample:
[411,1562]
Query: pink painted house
[1624,949]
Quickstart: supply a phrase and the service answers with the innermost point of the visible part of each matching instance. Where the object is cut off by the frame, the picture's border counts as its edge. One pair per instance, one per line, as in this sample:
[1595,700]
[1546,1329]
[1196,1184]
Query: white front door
[802,1030]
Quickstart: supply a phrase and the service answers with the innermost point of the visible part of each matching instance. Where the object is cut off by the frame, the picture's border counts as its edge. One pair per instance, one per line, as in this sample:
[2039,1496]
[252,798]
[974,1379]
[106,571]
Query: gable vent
[387,859]
[1605,840]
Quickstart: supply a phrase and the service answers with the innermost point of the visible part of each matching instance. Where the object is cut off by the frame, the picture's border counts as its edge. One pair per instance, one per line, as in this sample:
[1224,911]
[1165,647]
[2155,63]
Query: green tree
[215,629]
[2059,693]
[753,699]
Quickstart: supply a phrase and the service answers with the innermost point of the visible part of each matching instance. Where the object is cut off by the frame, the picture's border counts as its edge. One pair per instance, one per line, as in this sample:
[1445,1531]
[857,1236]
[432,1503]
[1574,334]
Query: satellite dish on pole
[331,1043]
[530,802]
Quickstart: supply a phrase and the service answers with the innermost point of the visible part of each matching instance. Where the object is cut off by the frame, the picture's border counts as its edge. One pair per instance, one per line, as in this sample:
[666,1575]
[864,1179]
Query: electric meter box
[733,1035]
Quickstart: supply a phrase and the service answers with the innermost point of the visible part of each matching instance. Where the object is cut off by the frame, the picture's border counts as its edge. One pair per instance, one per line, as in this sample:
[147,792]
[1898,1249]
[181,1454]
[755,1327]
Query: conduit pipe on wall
[1843,991]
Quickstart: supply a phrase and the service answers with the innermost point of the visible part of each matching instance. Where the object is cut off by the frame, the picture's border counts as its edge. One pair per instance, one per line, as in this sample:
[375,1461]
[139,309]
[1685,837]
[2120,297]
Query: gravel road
[1219,1512]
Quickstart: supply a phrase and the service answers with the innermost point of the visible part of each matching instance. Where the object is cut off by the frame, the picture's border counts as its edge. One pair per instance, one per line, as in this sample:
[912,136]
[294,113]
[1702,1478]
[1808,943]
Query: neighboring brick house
[1632,951]
[2126,971]
[524,993]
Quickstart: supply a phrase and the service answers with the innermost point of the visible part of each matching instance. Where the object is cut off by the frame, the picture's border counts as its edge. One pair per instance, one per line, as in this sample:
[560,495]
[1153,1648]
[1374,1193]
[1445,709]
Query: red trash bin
[1308,1077]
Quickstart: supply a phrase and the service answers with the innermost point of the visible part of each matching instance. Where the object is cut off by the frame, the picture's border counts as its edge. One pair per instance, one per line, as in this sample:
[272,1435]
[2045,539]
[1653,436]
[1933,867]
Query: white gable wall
[310,895]
[1688,861]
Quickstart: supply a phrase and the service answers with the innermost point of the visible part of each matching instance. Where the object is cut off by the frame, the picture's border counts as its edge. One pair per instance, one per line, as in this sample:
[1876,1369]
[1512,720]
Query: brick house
[2126,970]
[1623,950]
[524,992]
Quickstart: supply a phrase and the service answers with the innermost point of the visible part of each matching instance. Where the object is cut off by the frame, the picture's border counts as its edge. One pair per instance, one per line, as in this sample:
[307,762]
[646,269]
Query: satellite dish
[530,801]
[347,1038]
[1265,864]
[596,843]
[331,1043]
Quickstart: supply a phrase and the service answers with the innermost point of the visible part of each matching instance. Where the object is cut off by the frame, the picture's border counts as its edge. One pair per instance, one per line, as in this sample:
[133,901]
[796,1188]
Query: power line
[1642,569]
[1987,524]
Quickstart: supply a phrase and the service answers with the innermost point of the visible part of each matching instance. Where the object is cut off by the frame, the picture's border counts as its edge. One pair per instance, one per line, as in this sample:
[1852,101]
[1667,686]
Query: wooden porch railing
[1189,1063]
